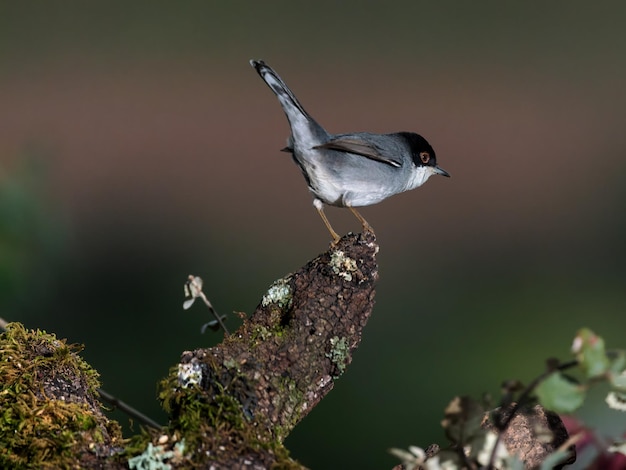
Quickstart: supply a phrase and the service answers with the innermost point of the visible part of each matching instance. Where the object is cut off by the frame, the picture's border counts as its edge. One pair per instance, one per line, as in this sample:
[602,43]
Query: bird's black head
[422,152]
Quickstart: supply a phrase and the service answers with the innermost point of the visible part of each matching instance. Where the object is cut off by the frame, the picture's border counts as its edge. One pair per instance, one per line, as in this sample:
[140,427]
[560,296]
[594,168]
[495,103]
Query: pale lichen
[189,374]
[339,353]
[279,293]
[342,265]
[155,457]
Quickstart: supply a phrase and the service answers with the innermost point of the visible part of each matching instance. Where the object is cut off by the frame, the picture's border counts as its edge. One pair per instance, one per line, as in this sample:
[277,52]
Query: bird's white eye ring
[424,157]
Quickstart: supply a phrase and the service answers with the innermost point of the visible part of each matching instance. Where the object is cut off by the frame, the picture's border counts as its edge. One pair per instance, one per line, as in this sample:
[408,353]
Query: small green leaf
[618,381]
[559,394]
[618,361]
[590,352]
[558,457]
[462,421]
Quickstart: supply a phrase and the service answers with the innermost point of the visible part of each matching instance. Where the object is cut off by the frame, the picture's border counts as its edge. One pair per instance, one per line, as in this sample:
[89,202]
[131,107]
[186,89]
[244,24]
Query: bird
[350,170]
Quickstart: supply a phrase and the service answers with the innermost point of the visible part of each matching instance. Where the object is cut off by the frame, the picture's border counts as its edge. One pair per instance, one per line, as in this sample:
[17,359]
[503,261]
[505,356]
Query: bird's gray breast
[345,179]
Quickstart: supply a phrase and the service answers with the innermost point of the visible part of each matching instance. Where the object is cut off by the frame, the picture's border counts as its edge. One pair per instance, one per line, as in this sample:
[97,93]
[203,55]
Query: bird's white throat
[419,176]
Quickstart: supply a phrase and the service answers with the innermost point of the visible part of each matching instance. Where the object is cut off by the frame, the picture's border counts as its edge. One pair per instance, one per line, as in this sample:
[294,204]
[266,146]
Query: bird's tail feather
[282,91]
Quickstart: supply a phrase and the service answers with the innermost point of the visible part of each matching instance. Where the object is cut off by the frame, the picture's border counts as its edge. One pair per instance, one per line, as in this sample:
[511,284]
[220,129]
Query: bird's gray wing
[359,147]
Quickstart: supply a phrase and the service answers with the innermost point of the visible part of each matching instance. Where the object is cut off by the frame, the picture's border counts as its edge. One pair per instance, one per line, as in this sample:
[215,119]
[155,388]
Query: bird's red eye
[424,157]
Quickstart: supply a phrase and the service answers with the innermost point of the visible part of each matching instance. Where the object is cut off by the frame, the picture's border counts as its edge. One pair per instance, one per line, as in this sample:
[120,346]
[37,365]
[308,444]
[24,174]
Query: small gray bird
[350,170]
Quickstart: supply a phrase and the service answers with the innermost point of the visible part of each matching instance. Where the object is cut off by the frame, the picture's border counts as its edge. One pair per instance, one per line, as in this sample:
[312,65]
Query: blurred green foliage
[32,234]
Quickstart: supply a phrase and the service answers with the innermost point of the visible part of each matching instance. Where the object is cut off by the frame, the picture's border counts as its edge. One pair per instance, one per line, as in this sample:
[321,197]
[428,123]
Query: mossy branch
[51,417]
[230,406]
[238,401]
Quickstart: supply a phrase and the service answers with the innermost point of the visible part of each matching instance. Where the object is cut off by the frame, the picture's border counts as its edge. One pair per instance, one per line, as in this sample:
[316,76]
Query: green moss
[294,400]
[138,443]
[37,431]
[215,423]
[259,334]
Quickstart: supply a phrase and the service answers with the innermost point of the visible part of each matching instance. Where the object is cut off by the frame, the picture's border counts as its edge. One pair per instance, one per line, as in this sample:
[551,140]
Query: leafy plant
[477,435]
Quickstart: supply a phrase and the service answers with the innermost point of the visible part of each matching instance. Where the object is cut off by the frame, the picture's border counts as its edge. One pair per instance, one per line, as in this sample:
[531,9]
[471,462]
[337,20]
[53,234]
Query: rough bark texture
[533,434]
[306,338]
[284,358]
[230,406]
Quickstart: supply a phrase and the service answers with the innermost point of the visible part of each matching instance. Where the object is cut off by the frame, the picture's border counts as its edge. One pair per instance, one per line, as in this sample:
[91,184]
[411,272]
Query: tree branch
[281,362]
[230,406]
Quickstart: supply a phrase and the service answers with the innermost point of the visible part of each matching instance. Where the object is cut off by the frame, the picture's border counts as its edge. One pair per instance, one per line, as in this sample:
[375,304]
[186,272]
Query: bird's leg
[367,227]
[319,205]
[333,234]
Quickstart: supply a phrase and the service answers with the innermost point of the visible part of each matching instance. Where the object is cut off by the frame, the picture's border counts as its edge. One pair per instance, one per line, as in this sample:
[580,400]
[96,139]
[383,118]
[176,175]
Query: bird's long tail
[305,130]
[284,94]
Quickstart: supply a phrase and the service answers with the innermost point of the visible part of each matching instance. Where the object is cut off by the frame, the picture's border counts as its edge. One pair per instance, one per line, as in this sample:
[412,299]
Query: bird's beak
[441,171]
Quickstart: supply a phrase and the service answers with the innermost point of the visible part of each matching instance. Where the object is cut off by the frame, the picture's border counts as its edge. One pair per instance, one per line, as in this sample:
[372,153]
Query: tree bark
[230,406]
[281,362]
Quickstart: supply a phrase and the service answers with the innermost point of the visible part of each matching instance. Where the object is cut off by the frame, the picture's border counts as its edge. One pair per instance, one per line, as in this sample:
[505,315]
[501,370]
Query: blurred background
[137,146]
